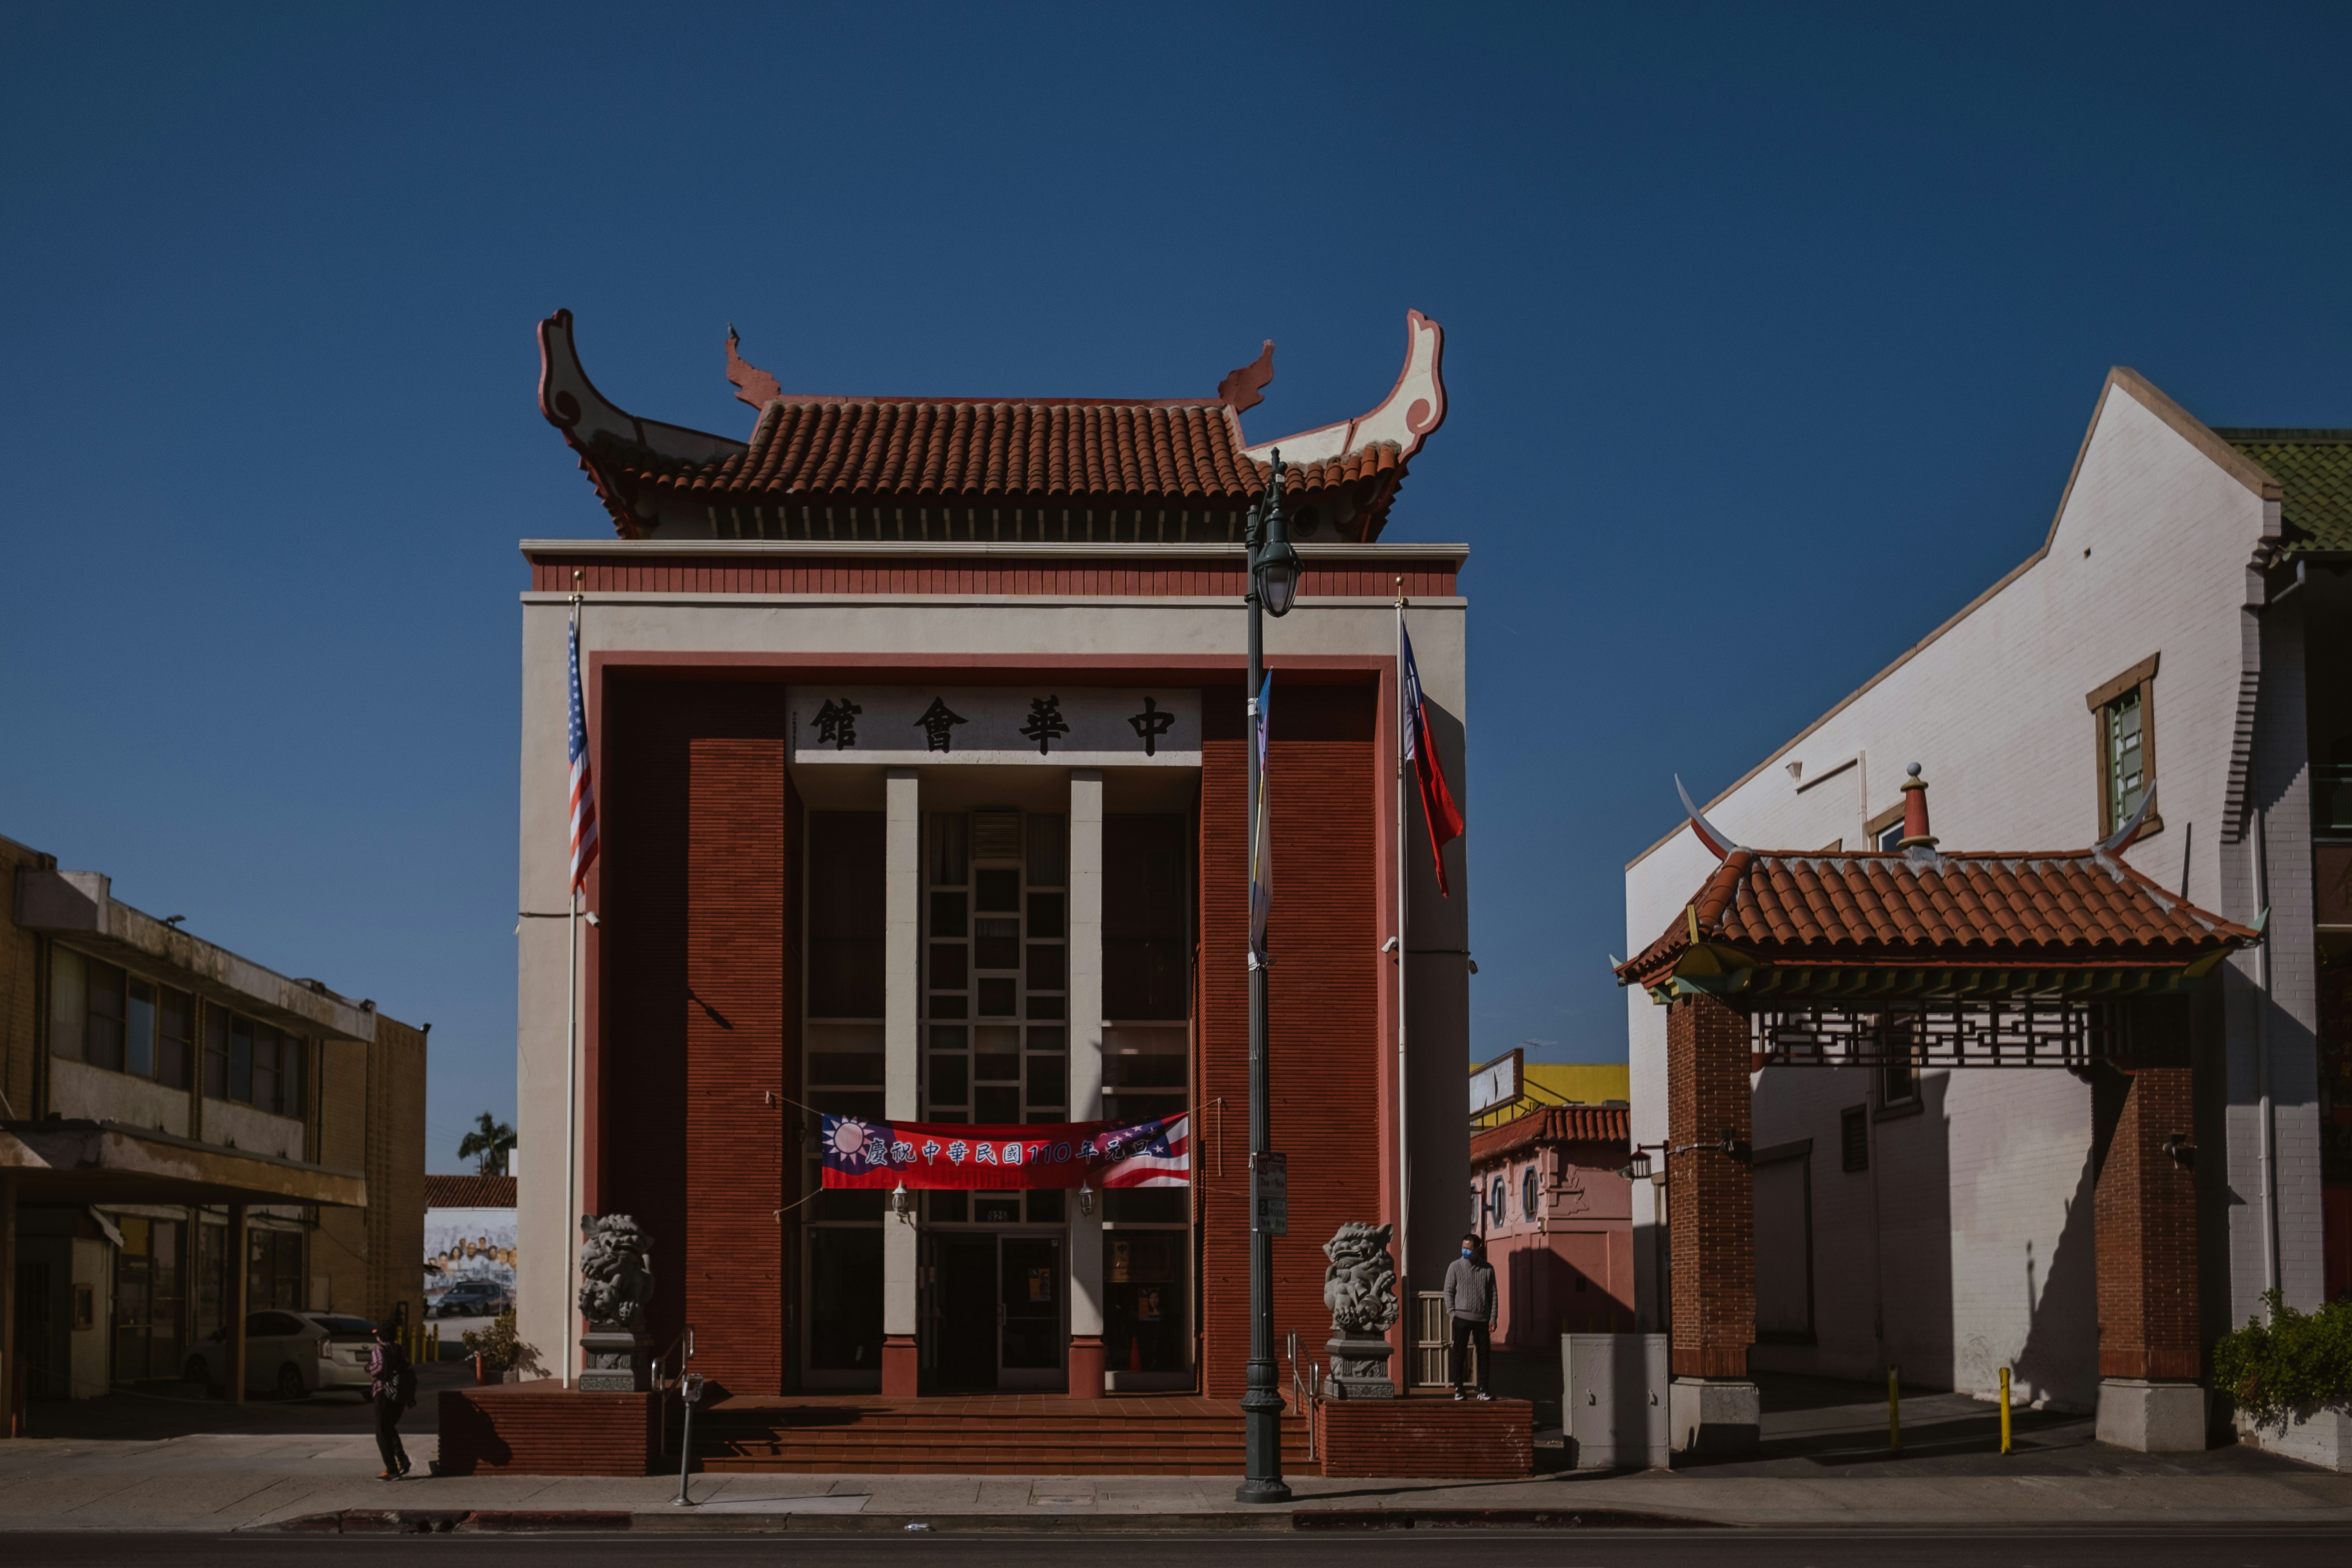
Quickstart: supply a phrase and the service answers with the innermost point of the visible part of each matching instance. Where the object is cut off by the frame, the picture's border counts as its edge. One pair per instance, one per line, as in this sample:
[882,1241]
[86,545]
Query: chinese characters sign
[859,1152]
[1048,723]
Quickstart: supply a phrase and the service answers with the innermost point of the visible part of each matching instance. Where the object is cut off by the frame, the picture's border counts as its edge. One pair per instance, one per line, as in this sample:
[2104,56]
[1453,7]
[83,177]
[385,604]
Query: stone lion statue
[617,1280]
[1361,1285]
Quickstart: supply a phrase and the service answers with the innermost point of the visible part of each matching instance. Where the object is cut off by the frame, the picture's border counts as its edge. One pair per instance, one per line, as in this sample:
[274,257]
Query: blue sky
[1770,335]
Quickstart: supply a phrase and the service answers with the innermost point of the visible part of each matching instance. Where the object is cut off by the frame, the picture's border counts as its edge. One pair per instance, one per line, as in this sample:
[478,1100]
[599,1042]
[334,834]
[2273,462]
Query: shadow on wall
[2051,1365]
[1880,1238]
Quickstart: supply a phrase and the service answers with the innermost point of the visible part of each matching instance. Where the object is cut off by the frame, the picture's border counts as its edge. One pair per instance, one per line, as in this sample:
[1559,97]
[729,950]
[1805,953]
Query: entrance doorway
[996,1312]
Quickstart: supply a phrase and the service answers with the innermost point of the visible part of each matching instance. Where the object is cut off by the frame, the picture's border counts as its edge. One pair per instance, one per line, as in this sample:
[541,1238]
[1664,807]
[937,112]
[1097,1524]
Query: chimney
[1915,812]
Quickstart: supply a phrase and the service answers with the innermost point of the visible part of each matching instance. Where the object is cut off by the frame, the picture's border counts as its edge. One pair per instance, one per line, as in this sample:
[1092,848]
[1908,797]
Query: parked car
[470,1299]
[294,1353]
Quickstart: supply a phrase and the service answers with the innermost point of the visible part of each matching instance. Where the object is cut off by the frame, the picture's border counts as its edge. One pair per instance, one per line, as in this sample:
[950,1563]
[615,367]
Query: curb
[438,1522]
[686,1522]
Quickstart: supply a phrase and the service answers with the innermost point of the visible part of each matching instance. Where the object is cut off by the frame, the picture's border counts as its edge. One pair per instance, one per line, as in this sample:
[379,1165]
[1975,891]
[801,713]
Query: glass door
[1029,1296]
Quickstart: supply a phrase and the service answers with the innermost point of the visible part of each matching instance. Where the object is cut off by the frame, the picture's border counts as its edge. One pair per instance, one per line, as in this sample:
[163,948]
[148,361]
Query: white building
[2183,628]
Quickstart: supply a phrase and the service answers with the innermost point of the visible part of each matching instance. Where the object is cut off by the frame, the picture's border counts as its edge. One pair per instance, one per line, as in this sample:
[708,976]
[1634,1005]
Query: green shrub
[2294,1365]
[498,1345]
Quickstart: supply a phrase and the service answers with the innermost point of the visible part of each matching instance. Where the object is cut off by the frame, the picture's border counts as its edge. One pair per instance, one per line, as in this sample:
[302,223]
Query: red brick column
[736,899]
[2147,1231]
[1710,1196]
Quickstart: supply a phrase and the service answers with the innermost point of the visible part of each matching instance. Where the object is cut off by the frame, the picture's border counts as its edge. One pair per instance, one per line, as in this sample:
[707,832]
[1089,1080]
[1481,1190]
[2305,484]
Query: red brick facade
[1323,1013]
[737,990]
[699,993]
[2146,1228]
[1711,1218]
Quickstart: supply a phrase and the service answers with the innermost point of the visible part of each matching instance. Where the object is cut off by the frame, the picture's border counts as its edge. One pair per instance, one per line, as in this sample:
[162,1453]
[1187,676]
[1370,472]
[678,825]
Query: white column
[1085,1033]
[902,874]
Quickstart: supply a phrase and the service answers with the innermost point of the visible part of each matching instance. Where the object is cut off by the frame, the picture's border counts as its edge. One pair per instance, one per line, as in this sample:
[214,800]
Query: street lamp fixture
[1273,586]
[1274,565]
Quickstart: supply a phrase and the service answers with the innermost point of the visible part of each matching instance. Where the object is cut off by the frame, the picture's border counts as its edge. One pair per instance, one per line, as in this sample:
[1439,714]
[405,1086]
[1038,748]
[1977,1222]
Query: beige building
[158,1097]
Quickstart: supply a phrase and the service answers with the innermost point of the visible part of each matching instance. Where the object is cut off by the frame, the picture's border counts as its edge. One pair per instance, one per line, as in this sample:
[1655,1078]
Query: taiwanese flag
[1437,807]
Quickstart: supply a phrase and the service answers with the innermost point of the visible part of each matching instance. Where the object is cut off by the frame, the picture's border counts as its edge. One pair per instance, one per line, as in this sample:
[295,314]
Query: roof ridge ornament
[1719,843]
[753,384]
[1916,834]
[1244,389]
[2118,841]
[1414,406]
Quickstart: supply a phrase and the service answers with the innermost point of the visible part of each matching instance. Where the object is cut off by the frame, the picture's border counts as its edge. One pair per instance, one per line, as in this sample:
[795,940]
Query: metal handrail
[1304,1387]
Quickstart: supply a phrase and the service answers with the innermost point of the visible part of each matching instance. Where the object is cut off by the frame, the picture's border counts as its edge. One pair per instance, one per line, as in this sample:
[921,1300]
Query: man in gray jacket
[1471,1304]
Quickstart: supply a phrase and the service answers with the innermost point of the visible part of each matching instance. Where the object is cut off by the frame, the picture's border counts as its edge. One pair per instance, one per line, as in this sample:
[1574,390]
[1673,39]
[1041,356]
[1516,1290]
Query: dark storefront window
[846,914]
[1146,918]
[1143,1300]
[846,1308]
[148,1299]
[273,1272]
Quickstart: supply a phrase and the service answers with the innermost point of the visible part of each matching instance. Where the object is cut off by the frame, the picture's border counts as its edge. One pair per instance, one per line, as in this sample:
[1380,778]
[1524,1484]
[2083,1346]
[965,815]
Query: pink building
[1557,1219]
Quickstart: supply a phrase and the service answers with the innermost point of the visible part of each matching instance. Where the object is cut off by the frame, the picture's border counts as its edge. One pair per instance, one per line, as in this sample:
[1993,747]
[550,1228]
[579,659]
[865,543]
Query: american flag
[584,781]
[1158,1154]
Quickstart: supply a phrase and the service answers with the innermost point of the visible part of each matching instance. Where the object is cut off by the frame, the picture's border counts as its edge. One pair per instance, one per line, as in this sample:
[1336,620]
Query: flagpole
[570,1076]
[1404,1157]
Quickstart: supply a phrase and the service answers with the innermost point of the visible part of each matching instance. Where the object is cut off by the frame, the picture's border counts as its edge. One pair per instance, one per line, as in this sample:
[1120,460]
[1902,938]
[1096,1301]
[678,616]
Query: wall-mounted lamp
[1390,945]
[902,1202]
[593,920]
[2181,1149]
[1086,1198]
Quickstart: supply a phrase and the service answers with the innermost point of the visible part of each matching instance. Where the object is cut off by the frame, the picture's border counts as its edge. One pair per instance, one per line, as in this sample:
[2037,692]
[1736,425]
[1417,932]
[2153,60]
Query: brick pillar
[1710,1198]
[734,1145]
[2147,1230]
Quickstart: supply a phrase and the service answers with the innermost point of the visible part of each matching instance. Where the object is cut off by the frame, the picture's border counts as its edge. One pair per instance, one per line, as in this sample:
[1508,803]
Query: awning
[61,1161]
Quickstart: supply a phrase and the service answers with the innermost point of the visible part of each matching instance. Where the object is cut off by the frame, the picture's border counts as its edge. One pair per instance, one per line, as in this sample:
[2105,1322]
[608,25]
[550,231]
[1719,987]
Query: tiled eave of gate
[1921,924]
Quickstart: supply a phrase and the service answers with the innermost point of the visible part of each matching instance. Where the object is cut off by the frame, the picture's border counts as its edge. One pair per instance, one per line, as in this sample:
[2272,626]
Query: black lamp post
[1273,587]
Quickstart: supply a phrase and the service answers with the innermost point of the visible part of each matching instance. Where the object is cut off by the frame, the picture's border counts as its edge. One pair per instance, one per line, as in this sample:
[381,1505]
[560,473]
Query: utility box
[1615,1400]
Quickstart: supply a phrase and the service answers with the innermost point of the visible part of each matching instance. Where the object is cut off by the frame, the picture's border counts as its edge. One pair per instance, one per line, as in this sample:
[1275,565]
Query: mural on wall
[467,1247]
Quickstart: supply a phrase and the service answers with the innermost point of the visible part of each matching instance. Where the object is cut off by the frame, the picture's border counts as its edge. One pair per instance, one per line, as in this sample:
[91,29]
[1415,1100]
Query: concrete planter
[2322,1439]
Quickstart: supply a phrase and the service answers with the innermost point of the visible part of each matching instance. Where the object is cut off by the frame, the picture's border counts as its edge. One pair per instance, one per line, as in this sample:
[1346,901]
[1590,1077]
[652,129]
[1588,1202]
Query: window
[1890,837]
[126,1023]
[102,1038]
[2124,714]
[1530,1192]
[1853,1138]
[1899,1085]
[1495,1201]
[2126,761]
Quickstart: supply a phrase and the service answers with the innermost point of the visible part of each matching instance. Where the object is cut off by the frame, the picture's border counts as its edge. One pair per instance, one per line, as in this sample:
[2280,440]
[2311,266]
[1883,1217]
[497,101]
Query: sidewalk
[231,1481]
[133,1462]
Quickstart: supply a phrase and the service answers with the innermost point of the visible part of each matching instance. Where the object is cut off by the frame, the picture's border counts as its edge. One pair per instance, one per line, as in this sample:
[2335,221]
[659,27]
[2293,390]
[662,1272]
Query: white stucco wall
[1980,1259]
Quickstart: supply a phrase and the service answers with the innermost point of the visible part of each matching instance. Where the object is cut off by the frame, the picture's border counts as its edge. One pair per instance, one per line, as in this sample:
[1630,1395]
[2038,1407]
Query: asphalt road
[1399,1549]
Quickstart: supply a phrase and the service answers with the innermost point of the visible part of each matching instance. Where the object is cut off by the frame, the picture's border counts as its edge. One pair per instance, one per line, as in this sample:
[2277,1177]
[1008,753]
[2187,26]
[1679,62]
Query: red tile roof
[912,450]
[2080,910]
[1609,1124]
[1049,453]
[469,1192]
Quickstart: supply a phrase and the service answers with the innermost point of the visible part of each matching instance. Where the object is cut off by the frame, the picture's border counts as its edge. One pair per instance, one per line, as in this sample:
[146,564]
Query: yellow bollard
[2005,1410]
[1894,1409]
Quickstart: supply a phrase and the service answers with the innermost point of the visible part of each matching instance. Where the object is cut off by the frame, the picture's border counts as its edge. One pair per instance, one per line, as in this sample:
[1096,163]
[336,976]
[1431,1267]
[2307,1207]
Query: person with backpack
[1471,1305]
[392,1387]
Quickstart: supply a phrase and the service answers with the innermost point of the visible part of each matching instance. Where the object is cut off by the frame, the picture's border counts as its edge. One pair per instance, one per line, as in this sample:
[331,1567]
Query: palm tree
[487,1146]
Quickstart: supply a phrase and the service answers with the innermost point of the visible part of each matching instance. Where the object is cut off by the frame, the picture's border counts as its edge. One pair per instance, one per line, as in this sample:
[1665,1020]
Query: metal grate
[2028,1034]
[1432,1340]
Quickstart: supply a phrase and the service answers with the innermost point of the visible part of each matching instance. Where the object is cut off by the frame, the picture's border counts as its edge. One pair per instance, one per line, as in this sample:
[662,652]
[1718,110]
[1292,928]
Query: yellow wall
[1569,1083]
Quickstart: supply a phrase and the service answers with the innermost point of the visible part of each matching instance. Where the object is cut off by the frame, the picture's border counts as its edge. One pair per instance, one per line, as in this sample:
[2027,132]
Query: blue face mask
[1466,1251]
